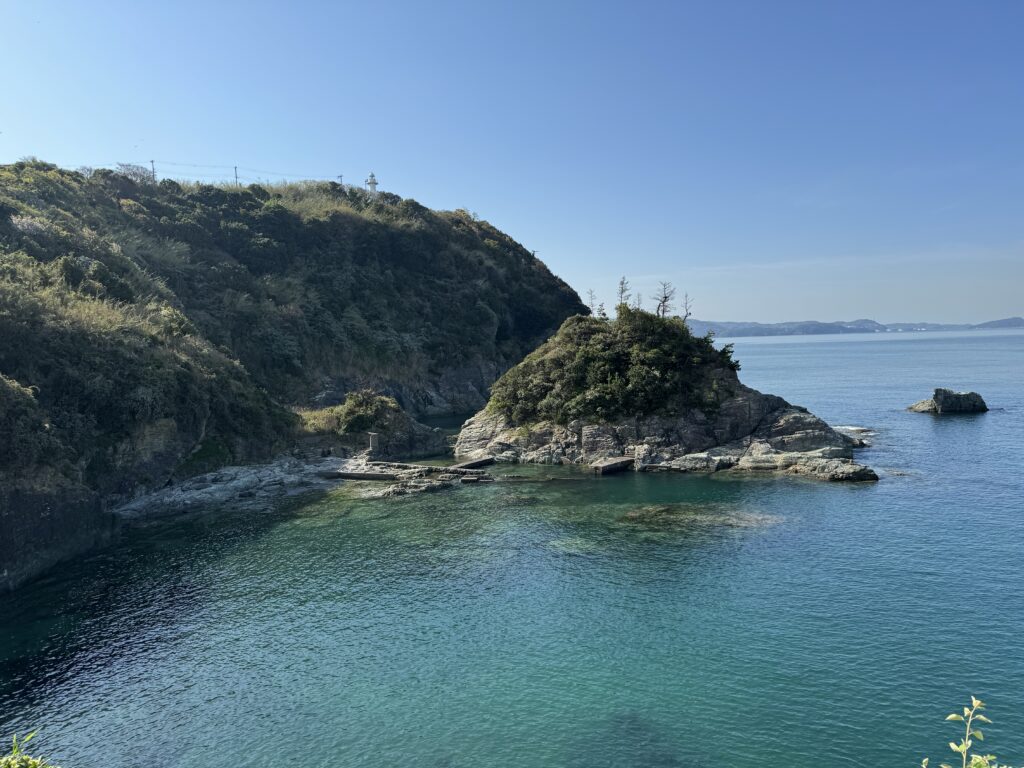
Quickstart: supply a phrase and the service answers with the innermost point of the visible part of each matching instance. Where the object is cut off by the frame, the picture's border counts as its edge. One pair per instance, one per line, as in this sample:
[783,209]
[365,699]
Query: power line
[228,173]
[192,165]
[275,173]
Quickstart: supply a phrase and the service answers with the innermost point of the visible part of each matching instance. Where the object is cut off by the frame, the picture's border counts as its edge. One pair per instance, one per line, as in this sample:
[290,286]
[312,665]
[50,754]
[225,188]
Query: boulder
[948,401]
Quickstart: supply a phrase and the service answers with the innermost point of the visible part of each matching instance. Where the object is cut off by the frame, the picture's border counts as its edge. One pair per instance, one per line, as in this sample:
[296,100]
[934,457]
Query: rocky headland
[643,386]
[154,332]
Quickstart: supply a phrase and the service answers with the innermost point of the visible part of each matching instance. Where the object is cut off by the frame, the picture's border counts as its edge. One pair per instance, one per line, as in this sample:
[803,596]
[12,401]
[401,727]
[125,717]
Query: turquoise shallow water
[535,622]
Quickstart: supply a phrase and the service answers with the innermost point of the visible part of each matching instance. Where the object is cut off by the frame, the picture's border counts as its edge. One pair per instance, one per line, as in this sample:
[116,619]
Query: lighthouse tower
[371,184]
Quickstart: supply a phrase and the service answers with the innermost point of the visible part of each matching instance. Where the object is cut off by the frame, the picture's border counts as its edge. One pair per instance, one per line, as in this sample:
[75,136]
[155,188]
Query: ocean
[561,619]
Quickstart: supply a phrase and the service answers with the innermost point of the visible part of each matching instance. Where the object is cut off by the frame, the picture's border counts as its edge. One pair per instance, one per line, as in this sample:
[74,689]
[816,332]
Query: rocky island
[948,401]
[644,386]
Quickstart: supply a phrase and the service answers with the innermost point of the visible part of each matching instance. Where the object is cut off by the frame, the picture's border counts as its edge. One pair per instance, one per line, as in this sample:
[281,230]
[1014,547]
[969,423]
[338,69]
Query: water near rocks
[561,619]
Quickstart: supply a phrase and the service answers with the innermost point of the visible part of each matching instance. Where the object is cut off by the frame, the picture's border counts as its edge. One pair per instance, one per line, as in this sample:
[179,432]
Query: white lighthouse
[371,184]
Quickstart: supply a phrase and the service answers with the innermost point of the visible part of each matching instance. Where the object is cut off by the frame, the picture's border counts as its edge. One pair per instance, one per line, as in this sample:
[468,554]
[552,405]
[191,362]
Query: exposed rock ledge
[752,432]
[234,487]
[948,401]
[254,486]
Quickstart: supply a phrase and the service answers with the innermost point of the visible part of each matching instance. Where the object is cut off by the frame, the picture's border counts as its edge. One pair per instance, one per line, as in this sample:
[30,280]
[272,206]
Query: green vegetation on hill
[139,318]
[362,411]
[600,369]
[82,371]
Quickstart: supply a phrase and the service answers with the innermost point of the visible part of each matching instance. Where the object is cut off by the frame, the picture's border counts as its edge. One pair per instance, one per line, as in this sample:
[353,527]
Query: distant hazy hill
[813,327]
[1008,322]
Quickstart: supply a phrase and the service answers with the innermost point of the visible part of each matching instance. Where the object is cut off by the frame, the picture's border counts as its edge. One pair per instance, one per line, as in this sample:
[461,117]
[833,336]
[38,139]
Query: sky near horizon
[776,160]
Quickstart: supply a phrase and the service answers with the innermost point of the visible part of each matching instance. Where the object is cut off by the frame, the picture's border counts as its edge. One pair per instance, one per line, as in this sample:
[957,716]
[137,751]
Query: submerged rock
[689,515]
[948,401]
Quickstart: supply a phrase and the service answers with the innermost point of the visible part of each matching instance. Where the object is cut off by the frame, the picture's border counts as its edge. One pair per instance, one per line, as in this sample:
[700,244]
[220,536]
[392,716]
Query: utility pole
[236,175]
[152,165]
[341,179]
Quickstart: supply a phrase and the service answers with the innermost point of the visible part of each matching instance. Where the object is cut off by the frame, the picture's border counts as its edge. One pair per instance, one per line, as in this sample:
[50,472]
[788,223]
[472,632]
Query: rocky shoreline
[751,432]
[251,487]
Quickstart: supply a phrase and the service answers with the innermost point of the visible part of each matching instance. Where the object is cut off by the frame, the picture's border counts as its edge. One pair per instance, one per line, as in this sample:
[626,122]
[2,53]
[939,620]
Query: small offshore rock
[948,401]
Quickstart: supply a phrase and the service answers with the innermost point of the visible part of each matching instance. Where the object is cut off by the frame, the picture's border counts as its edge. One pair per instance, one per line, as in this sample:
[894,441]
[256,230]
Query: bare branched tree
[638,301]
[623,294]
[667,293]
[592,301]
[687,307]
[137,173]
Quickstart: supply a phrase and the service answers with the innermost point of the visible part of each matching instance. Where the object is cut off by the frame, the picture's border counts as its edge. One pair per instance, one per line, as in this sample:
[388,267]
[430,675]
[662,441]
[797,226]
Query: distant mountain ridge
[814,327]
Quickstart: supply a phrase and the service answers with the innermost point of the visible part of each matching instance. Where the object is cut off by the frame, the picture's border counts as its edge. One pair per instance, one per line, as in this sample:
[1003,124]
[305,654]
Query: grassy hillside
[143,323]
[599,369]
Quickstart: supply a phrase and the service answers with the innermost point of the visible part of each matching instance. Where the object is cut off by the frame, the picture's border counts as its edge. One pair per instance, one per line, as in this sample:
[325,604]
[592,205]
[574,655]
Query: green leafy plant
[17,758]
[971,716]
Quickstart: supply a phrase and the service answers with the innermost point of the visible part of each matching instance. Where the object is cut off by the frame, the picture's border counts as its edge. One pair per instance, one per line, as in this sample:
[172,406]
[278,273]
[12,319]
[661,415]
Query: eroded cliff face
[49,515]
[751,432]
[40,527]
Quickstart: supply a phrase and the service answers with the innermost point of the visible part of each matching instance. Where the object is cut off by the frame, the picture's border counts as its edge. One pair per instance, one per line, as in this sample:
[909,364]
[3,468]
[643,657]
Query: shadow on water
[630,740]
[52,623]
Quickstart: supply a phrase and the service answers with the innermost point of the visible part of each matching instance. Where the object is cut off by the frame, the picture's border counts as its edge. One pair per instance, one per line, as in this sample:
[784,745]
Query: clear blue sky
[777,160]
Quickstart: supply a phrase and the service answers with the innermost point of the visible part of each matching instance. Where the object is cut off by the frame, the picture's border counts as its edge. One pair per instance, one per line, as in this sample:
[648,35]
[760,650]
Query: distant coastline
[814,327]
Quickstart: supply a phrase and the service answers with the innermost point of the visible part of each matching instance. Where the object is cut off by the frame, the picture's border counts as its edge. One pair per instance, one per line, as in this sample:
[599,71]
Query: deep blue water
[758,622]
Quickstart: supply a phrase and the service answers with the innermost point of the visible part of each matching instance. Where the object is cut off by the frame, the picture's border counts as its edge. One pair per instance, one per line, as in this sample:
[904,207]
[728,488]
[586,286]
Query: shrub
[597,368]
[17,758]
[27,439]
[362,411]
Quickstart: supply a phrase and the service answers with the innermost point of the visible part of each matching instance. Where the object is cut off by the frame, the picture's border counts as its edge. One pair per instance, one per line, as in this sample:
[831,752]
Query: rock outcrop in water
[948,401]
[643,386]
[752,432]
